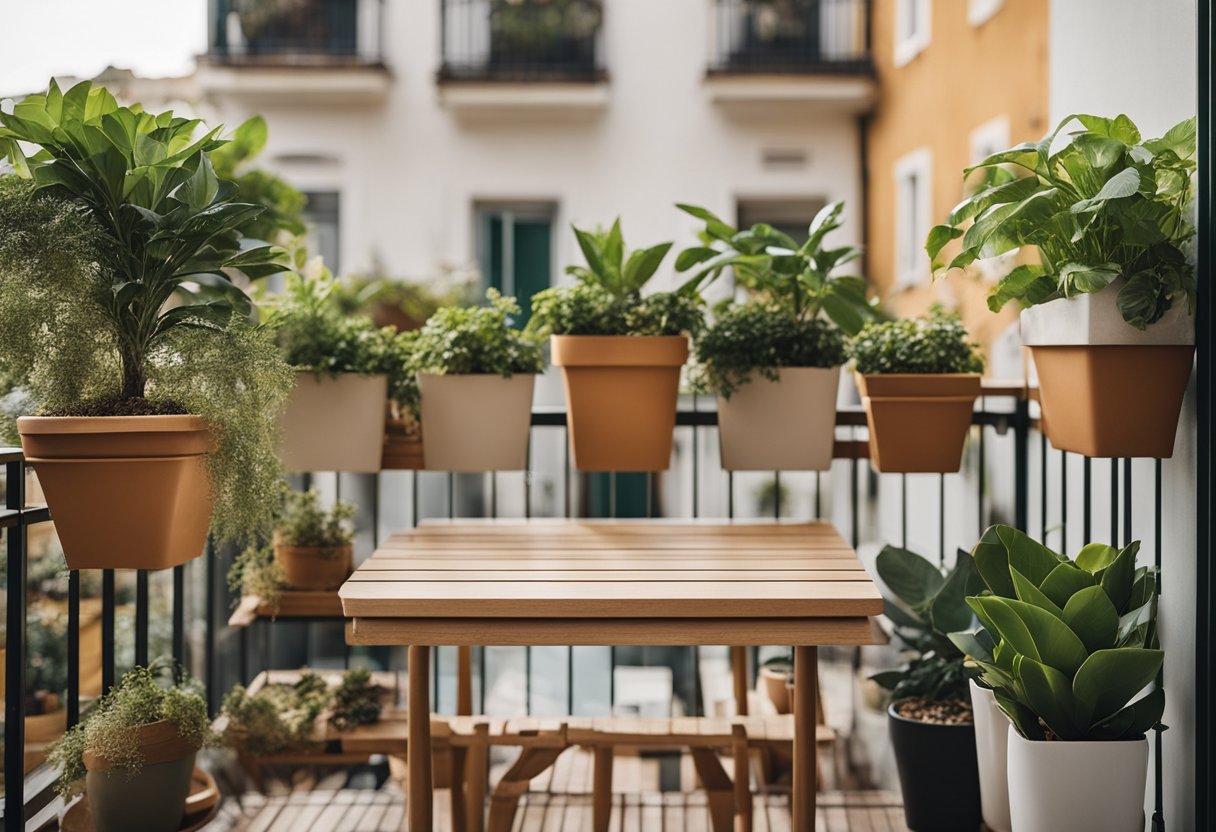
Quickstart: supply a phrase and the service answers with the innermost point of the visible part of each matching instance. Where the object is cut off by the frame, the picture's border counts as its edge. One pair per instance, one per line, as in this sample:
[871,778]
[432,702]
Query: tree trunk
[134,381]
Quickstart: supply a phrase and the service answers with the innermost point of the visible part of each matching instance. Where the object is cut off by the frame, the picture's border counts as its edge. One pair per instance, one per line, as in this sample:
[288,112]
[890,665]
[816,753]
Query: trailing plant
[608,300]
[1067,646]
[144,695]
[925,603]
[933,344]
[756,339]
[277,717]
[255,572]
[1108,206]
[306,523]
[797,279]
[357,700]
[477,340]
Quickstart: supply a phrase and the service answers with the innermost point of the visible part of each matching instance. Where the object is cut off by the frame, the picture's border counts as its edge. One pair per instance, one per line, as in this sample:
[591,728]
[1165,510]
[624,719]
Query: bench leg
[476,771]
[456,779]
[718,789]
[602,789]
[514,784]
[743,777]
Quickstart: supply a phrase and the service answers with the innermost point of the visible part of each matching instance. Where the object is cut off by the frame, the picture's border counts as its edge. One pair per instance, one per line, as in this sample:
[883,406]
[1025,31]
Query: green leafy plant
[925,603]
[1110,206]
[306,523]
[1067,646]
[255,572]
[277,717]
[406,304]
[144,695]
[283,205]
[356,700]
[477,340]
[607,300]
[933,344]
[797,279]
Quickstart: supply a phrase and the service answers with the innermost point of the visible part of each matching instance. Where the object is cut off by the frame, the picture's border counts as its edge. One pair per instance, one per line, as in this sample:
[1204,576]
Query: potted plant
[930,717]
[1108,309]
[620,353]
[475,376]
[312,545]
[276,718]
[345,367]
[257,573]
[118,316]
[774,361]
[777,675]
[1015,567]
[919,379]
[357,700]
[135,751]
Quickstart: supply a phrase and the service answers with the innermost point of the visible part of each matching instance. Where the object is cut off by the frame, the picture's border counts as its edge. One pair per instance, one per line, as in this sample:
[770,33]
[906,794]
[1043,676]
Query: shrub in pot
[1108,309]
[1076,647]
[135,751]
[357,700]
[276,718]
[120,321]
[919,379]
[774,361]
[475,376]
[620,353]
[313,545]
[930,716]
[346,367]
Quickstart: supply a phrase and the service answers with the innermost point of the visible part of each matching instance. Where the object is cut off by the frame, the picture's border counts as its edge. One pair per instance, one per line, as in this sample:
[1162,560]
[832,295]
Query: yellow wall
[965,77]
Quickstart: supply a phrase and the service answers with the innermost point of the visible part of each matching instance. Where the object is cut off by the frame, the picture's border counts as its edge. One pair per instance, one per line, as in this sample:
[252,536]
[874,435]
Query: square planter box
[918,422]
[335,423]
[476,422]
[783,425]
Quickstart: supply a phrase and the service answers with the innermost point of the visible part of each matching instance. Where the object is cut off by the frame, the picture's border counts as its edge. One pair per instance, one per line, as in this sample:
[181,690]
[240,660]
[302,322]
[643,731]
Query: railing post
[14,699]
[1021,463]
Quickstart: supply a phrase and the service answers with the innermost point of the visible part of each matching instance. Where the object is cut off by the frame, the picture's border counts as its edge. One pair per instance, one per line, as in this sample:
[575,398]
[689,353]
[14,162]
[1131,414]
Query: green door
[517,254]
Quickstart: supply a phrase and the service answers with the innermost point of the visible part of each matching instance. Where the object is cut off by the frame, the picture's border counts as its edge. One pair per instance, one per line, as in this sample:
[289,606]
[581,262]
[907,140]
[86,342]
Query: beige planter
[783,425]
[314,567]
[476,422]
[335,423]
[776,687]
[918,421]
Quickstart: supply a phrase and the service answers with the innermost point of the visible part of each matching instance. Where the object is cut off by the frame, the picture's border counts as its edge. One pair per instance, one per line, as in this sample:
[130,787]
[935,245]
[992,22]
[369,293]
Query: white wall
[1140,58]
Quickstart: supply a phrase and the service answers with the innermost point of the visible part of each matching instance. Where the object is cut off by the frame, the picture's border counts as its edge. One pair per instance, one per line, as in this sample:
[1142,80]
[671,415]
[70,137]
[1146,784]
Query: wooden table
[645,583]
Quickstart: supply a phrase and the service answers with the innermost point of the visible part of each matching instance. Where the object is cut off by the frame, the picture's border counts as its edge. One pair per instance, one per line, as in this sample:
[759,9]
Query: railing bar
[566,469]
[451,496]
[1087,515]
[1114,501]
[481,677]
[941,519]
[776,495]
[696,465]
[73,703]
[612,494]
[650,494]
[570,681]
[854,481]
[818,492]
[376,511]
[697,706]
[1063,501]
[981,476]
[494,495]
[436,654]
[14,659]
[179,615]
[209,649]
[730,495]
[528,481]
[612,680]
[1127,500]
[141,617]
[1044,480]
[903,511]
[414,500]
[107,630]
[1158,749]
[1021,464]
[528,681]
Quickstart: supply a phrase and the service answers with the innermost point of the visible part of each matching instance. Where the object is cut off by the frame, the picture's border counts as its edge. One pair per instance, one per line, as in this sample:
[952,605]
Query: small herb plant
[357,700]
[1110,205]
[933,344]
[143,696]
[257,573]
[477,340]
[277,717]
[306,523]
[608,300]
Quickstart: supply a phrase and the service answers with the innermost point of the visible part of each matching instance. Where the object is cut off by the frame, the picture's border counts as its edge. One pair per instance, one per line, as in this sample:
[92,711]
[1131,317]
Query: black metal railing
[791,37]
[291,32]
[523,40]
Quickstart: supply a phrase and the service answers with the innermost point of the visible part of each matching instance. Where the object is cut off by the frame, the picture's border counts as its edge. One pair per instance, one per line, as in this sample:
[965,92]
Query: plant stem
[134,380]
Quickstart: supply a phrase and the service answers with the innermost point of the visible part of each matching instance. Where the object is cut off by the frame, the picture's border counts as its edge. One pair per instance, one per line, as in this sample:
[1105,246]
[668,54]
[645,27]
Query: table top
[612,582]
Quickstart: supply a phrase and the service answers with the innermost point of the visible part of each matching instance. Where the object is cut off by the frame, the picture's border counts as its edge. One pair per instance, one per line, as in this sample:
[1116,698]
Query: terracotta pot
[777,688]
[314,567]
[1078,786]
[938,777]
[335,423]
[125,492]
[402,450]
[621,395]
[991,751]
[918,422]
[476,422]
[783,425]
[154,798]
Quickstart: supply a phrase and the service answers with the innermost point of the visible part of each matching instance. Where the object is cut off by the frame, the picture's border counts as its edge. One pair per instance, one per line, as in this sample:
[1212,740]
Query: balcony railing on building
[791,37]
[296,32]
[521,40]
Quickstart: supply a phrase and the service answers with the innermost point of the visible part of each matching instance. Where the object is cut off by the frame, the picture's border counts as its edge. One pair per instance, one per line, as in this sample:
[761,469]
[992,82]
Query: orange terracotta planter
[314,567]
[1112,400]
[621,395]
[125,492]
[918,422]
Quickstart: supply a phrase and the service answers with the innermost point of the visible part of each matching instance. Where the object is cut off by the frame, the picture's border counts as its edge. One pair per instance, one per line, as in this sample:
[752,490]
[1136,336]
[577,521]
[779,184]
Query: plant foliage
[255,572]
[306,523]
[283,205]
[276,718]
[357,700]
[1110,206]
[933,344]
[477,340]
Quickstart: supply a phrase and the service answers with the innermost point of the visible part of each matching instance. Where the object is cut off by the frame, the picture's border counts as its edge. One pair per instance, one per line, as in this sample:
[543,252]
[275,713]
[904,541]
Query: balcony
[528,55]
[790,52]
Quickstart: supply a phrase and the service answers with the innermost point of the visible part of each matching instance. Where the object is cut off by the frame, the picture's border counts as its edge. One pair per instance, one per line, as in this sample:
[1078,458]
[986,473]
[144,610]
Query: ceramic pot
[1078,786]
[154,798]
[476,422]
[783,425]
[314,567]
[621,398]
[991,751]
[937,774]
[918,421]
[125,492]
[335,423]
[777,688]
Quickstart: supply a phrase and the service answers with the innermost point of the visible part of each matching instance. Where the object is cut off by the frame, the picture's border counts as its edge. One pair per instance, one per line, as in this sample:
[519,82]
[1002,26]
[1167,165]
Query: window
[323,215]
[912,29]
[913,207]
[515,249]
[980,12]
[989,138]
[791,216]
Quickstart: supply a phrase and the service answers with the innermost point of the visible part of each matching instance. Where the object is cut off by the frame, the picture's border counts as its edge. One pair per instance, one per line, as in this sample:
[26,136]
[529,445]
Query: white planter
[1077,786]
[1095,320]
[783,425]
[991,751]
[476,422]
[335,423]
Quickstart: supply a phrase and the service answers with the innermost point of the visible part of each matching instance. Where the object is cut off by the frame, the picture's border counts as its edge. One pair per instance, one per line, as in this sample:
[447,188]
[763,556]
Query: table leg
[806,757]
[418,755]
[464,681]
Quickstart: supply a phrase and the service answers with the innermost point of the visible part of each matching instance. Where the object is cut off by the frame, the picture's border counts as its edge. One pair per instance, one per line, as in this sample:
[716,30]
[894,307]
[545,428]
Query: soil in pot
[314,567]
[918,423]
[934,744]
[153,799]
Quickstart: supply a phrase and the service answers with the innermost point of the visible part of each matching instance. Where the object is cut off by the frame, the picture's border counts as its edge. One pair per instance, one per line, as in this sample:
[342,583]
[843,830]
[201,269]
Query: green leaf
[1109,679]
[948,610]
[690,257]
[1023,719]
[1055,643]
[1135,720]
[1090,614]
[1049,694]
[1024,155]
[1076,277]
[938,237]
[974,644]
[698,212]
[992,561]
[1094,557]
[1120,127]
[642,265]
[613,248]
[1031,594]
[843,312]
[1065,581]
[911,578]
[1123,184]
[1008,624]
[1016,285]
[1027,555]
[1119,577]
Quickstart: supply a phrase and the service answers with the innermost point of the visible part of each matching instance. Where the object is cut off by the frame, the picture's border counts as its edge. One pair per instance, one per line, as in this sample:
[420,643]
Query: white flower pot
[991,751]
[1095,320]
[1076,786]
[335,423]
[476,422]
[783,425]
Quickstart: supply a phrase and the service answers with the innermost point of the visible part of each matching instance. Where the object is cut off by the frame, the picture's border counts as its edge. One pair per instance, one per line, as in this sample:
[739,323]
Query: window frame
[908,46]
[912,266]
[980,12]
